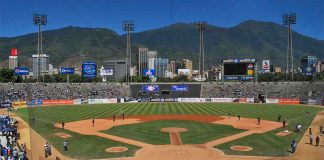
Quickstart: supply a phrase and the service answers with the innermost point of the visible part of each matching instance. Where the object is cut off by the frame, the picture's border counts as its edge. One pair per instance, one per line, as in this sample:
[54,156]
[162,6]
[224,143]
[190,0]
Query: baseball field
[157,129]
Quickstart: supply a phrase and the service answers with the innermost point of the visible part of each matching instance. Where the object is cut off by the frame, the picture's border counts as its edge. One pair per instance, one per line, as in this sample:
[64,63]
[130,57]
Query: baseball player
[259,121]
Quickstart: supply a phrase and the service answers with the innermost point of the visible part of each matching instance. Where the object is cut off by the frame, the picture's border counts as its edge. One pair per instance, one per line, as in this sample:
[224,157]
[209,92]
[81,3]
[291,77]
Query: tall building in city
[13,62]
[308,65]
[41,62]
[142,60]
[160,66]
[172,67]
[151,55]
[117,68]
[318,66]
[187,64]
[13,58]
[178,65]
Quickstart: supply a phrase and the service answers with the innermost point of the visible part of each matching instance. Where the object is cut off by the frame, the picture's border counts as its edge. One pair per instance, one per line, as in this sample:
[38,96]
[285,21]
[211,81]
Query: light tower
[289,19]
[201,27]
[128,26]
[39,19]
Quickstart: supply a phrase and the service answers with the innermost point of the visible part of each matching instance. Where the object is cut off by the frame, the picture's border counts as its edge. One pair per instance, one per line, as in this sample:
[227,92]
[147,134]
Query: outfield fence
[40,102]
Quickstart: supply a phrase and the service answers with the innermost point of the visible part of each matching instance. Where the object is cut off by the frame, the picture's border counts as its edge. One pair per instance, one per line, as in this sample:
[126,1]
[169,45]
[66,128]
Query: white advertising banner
[112,100]
[77,101]
[191,100]
[272,100]
[102,101]
[250,100]
[223,100]
[266,65]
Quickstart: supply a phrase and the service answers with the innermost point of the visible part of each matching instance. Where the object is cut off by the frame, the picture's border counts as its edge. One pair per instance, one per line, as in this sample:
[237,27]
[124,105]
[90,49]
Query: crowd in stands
[9,148]
[298,90]
[51,91]
[56,91]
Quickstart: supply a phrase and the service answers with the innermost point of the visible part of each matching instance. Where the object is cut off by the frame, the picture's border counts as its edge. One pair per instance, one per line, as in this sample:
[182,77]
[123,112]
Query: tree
[181,78]
[6,75]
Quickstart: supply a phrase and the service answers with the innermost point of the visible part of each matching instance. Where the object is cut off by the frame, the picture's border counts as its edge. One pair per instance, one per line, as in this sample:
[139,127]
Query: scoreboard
[239,69]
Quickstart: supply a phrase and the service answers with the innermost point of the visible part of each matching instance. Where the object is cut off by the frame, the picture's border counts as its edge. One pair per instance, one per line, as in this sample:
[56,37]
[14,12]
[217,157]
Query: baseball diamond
[205,129]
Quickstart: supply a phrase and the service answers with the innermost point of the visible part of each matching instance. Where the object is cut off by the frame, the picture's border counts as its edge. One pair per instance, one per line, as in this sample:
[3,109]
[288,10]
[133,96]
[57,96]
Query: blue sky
[16,15]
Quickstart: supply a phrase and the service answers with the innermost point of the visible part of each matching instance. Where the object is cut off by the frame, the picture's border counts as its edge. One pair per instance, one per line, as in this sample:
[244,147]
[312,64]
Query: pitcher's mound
[173,129]
[116,149]
[63,135]
[241,148]
[283,133]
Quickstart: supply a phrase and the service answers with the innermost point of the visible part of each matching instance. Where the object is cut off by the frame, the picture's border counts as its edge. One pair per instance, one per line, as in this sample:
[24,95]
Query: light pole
[289,19]
[39,19]
[201,27]
[128,26]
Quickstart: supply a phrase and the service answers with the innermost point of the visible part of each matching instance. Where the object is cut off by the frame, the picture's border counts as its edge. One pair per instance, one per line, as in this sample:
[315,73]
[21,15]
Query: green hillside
[71,45]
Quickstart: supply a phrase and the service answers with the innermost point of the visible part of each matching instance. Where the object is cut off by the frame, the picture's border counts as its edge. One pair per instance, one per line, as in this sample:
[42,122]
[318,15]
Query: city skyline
[149,15]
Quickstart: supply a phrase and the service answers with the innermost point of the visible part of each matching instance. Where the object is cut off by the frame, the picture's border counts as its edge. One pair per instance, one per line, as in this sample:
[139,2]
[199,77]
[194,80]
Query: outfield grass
[93,147]
[197,132]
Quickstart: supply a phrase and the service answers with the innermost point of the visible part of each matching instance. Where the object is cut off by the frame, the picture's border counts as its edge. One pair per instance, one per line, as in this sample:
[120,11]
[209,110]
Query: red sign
[57,102]
[14,52]
[289,101]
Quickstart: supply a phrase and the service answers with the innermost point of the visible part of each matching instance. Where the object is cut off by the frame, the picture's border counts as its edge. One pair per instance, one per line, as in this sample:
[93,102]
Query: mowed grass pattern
[149,132]
[46,116]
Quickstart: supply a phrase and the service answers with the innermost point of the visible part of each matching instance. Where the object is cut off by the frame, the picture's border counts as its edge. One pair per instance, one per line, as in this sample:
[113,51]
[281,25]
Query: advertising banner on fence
[57,102]
[289,101]
[150,88]
[272,100]
[250,100]
[223,100]
[20,104]
[179,88]
[191,99]
[112,100]
[242,100]
[77,101]
[35,102]
[5,104]
[312,101]
[102,101]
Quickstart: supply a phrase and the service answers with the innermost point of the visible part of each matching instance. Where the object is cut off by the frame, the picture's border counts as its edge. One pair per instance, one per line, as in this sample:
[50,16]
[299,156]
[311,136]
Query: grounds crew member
[317,140]
[321,130]
[65,145]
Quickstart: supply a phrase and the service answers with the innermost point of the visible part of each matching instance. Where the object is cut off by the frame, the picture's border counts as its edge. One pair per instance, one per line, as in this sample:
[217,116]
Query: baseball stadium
[161,80]
[198,121]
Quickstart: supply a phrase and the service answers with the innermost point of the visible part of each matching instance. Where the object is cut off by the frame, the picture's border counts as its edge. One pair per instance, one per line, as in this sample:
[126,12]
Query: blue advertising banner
[179,88]
[231,77]
[247,78]
[67,70]
[89,69]
[35,102]
[308,70]
[150,88]
[240,78]
[21,71]
[149,72]
[5,104]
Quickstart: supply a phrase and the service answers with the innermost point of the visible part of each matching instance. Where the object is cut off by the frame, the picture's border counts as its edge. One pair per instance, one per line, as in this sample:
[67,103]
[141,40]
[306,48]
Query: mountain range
[71,45]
